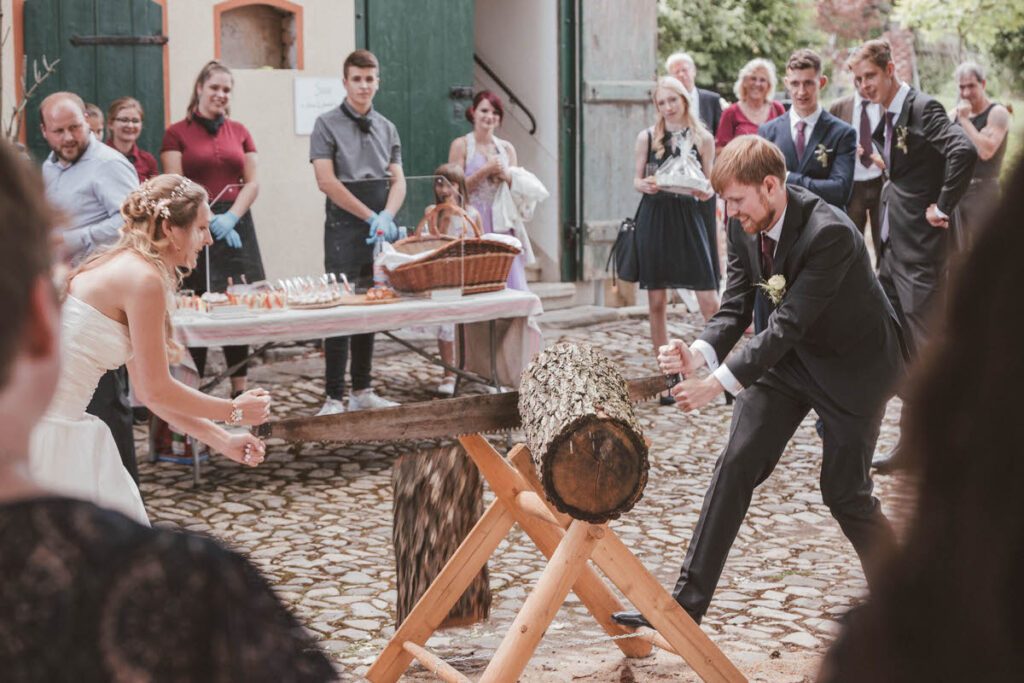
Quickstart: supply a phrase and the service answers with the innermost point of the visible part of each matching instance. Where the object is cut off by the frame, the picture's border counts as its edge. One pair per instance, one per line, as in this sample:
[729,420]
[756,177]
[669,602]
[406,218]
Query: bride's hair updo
[149,213]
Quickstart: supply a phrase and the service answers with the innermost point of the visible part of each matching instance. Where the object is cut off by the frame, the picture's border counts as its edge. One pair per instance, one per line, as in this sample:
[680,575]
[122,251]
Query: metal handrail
[508,91]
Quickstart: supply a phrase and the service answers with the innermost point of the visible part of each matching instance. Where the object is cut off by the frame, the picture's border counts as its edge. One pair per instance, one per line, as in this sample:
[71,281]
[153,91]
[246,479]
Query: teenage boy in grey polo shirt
[88,181]
[357,158]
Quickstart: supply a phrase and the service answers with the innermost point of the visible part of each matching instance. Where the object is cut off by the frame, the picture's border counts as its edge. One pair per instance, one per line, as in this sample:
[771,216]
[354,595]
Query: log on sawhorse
[570,546]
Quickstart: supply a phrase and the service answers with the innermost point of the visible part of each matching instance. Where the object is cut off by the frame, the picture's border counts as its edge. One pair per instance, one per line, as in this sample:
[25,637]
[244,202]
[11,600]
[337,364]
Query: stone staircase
[553,295]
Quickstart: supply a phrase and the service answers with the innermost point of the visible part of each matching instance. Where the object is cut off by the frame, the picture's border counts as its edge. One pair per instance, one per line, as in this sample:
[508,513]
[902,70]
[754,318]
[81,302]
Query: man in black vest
[832,344]
[985,122]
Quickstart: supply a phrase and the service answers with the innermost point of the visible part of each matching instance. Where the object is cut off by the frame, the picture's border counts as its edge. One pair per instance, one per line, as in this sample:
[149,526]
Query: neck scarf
[364,122]
[211,125]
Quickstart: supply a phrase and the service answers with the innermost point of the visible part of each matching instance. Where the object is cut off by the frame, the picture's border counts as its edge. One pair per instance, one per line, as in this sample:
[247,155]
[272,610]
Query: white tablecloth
[519,339]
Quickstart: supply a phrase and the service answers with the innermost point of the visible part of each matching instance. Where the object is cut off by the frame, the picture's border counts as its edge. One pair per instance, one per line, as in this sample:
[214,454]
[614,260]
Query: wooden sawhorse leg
[520,500]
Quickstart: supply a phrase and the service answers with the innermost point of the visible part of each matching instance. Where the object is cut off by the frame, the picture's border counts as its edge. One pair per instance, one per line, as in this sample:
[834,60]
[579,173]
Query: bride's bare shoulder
[135,272]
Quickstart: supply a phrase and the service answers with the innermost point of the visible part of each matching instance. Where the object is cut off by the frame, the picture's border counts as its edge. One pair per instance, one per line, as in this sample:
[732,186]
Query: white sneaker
[332,406]
[446,387]
[366,399]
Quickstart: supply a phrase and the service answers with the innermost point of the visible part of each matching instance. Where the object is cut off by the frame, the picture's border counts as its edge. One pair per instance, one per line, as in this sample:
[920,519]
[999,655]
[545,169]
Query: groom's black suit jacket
[834,316]
[936,168]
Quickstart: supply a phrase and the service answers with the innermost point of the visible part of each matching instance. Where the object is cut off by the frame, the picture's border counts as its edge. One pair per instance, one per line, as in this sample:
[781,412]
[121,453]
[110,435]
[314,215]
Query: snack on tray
[314,298]
[380,293]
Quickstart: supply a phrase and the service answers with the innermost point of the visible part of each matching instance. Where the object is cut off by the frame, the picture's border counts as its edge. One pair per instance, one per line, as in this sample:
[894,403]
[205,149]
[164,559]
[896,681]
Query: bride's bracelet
[236,414]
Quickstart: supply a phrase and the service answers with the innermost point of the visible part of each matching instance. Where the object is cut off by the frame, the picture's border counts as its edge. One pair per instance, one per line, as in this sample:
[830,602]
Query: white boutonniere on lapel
[821,155]
[901,138]
[774,288]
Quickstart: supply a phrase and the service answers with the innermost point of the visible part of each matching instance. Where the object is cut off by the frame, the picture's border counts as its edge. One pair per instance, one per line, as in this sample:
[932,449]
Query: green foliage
[975,23]
[722,35]
[1008,52]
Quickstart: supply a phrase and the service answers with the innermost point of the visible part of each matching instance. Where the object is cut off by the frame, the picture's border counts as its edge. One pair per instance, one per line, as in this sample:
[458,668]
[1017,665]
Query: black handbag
[623,258]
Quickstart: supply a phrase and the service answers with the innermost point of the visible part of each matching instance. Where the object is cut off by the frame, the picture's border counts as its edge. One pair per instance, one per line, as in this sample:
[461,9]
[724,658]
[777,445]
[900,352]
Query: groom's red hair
[747,160]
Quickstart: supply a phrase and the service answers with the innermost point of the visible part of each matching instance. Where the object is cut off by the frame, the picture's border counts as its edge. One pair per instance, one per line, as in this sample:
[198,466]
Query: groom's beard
[771,216]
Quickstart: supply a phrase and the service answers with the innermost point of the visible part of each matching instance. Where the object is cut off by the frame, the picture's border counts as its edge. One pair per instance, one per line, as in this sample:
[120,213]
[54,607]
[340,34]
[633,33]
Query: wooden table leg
[543,604]
[443,593]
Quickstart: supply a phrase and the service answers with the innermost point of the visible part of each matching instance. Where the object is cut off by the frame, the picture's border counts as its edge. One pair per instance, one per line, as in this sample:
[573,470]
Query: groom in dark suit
[832,344]
[929,163]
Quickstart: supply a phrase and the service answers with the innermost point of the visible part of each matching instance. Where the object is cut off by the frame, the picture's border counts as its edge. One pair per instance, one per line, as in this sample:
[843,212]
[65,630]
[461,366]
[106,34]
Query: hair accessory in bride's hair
[179,191]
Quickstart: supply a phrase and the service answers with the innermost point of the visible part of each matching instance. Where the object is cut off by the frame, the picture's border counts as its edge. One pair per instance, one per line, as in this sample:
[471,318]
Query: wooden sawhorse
[569,545]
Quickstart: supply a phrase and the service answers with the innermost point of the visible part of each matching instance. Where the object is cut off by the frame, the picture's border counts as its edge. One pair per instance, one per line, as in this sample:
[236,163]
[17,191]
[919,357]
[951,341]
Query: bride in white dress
[116,313]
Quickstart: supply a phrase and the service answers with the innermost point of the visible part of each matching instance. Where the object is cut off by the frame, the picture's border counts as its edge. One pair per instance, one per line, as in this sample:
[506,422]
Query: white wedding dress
[72,452]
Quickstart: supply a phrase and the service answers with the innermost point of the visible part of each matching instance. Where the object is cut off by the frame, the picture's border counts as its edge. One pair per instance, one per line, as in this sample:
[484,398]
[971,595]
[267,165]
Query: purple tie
[888,157]
[865,134]
[767,255]
[801,126]
[888,137]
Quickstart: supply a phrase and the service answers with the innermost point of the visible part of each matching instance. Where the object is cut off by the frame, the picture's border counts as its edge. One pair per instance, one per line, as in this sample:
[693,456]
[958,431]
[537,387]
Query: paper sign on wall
[313,96]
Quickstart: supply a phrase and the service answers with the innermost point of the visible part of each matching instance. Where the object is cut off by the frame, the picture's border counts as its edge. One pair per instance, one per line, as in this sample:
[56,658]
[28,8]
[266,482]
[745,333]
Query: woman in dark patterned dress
[671,243]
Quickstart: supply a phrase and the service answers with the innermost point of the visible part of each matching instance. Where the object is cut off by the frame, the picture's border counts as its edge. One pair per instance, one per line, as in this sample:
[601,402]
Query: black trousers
[110,404]
[865,203]
[764,419]
[915,291]
[346,251]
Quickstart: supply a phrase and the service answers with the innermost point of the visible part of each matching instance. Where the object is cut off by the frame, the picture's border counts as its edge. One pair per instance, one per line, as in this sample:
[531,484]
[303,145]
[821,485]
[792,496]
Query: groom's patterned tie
[767,255]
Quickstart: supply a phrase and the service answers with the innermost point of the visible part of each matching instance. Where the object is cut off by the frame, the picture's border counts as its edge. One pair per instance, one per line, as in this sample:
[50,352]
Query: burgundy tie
[801,126]
[865,134]
[767,255]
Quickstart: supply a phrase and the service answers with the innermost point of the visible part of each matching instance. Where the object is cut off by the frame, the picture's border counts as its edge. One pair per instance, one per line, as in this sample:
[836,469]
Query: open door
[618,56]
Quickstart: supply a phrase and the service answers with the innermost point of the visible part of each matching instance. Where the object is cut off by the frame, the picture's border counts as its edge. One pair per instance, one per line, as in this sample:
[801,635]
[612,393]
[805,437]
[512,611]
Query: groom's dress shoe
[884,463]
[631,618]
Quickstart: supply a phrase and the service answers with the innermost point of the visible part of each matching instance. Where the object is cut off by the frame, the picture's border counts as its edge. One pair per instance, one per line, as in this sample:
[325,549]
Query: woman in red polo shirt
[124,119]
[218,153]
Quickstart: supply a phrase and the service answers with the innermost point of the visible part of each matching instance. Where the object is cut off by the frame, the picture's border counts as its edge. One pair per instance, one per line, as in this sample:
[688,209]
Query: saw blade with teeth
[444,418]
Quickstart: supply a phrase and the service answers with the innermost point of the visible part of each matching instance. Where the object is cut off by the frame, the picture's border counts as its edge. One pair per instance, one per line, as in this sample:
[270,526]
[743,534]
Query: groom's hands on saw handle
[675,358]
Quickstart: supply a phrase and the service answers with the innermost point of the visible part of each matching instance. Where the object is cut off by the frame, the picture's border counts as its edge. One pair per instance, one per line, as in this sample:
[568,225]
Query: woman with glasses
[124,121]
[754,89]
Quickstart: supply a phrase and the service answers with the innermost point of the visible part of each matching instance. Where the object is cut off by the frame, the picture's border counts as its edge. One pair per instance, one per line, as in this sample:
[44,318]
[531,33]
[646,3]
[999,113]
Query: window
[257,35]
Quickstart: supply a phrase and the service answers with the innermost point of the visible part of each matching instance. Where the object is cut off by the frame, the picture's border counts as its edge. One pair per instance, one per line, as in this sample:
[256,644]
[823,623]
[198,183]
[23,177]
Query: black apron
[345,235]
[226,261]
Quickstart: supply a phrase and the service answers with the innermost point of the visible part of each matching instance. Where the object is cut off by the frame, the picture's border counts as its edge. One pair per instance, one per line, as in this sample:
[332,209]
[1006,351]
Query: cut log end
[597,471]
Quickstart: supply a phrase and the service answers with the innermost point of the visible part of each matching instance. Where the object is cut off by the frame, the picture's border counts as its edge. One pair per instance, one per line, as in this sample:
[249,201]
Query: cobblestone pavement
[316,520]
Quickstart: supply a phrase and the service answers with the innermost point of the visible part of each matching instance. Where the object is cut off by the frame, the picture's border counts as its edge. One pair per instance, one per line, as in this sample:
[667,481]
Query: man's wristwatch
[236,414]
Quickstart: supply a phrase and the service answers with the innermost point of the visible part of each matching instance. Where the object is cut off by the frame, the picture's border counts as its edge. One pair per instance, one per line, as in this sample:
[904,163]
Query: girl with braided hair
[115,313]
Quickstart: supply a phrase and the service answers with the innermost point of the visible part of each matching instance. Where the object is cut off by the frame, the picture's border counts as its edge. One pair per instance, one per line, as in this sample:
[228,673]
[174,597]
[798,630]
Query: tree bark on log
[438,497]
[583,433]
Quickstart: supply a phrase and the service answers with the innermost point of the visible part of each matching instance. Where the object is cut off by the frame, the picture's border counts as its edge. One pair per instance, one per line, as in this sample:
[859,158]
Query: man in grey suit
[929,163]
[832,344]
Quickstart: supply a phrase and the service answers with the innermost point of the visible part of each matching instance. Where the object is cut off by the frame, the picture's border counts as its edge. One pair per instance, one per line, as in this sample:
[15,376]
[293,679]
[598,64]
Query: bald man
[88,181]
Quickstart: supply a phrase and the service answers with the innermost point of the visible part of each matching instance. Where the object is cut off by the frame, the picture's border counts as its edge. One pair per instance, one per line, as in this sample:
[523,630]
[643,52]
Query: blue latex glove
[222,224]
[233,239]
[382,226]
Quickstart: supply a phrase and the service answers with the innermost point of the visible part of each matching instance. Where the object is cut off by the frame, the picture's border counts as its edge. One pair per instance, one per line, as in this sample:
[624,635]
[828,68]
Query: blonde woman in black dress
[671,242]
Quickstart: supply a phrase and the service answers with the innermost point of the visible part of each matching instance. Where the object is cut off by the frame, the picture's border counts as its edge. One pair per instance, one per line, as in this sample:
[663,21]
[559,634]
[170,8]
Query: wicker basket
[474,264]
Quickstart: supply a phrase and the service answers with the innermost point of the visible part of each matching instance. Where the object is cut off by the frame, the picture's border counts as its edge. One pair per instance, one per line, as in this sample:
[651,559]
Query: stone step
[533,273]
[555,295]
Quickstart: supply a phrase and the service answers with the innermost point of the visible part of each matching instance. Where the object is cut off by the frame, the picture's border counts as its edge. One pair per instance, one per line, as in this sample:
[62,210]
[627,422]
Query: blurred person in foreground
[87,594]
[947,606]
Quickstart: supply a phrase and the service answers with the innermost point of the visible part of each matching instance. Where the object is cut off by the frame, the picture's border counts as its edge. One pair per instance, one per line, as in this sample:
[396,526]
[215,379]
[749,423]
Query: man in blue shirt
[88,181]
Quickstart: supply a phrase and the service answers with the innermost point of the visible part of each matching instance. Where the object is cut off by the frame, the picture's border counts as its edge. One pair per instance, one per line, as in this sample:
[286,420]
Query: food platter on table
[301,293]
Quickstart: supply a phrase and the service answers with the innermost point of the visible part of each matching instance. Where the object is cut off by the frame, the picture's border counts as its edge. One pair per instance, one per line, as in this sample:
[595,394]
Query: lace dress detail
[73,452]
[88,595]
